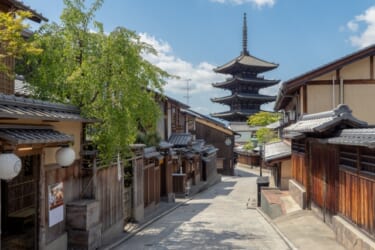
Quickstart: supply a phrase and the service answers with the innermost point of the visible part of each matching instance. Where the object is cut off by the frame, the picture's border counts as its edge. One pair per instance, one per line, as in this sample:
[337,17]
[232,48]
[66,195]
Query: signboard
[55,203]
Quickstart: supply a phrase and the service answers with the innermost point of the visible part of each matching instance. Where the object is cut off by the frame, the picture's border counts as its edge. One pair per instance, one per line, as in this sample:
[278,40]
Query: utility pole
[187,96]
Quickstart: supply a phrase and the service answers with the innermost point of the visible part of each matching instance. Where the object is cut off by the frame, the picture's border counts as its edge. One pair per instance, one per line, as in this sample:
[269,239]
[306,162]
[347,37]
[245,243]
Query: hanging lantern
[65,156]
[10,166]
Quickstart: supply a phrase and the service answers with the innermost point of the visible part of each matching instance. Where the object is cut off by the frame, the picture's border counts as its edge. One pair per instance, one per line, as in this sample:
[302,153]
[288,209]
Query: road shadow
[242,173]
[195,235]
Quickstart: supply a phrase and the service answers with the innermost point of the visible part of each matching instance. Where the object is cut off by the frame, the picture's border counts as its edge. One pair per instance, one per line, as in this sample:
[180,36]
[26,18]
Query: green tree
[263,118]
[102,73]
[265,135]
[12,43]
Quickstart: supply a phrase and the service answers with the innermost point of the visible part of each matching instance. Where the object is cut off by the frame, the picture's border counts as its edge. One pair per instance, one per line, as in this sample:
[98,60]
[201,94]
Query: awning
[17,135]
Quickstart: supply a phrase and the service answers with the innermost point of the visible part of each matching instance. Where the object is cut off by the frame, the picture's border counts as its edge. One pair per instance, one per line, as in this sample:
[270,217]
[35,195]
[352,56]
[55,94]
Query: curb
[283,237]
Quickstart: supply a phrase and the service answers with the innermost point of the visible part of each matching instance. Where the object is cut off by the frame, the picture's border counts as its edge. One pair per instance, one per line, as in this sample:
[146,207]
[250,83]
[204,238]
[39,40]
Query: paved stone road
[218,218]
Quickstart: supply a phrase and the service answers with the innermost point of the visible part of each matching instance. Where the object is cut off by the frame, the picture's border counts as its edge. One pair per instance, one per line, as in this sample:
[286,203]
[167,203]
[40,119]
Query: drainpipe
[333,93]
[341,91]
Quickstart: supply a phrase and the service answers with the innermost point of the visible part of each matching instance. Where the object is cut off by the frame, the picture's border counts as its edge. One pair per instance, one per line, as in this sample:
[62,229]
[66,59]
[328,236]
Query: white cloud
[199,76]
[352,26]
[366,36]
[258,3]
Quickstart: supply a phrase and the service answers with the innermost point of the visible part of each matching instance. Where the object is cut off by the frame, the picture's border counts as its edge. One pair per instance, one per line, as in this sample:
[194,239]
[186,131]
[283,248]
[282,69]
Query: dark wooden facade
[356,186]
[217,136]
[338,180]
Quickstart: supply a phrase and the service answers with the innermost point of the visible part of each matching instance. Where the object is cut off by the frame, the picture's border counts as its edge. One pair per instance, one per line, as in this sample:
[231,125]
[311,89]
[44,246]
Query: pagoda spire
[244,36]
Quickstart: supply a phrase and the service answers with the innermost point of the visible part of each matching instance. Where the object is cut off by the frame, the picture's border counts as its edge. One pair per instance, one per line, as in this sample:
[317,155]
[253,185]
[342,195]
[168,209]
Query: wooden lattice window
[348,157]
[298,146]
[367,160]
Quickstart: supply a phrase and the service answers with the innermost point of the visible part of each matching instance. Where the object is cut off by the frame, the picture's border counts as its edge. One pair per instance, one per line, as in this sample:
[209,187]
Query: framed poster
[55,203]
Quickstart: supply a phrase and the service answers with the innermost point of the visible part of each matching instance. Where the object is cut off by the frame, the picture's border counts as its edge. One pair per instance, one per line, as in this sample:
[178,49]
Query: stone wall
[349,236]
[298,193]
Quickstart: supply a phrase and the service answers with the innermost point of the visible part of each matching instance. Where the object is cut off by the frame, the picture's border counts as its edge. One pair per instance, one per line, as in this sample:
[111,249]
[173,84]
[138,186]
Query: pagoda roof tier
[245,63]
[235,115]
[232,82]
[256,98]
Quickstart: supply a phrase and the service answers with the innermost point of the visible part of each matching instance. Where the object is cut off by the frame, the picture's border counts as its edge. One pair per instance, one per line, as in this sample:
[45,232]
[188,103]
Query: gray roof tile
[323,121]
[277,150]
[180,139]
[33,135]
[355,137]
[13,107]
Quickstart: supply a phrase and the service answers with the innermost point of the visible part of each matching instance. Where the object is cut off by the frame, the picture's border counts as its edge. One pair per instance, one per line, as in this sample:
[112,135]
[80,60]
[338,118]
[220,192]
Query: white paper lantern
[10,166]
[65,156]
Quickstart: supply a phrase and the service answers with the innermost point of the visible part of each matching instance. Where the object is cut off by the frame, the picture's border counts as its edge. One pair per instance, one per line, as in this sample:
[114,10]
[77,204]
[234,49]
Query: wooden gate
[324,176]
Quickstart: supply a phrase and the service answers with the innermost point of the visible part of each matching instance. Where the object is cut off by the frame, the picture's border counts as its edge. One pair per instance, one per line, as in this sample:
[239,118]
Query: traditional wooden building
[244,84]
[173,120]
[347,80]
[7,83]
[33,202]
[277,158]
[333,173]
[217,134]
[54,192]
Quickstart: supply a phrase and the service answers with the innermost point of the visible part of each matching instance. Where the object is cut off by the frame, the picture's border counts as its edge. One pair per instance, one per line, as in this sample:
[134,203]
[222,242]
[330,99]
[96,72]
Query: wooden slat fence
[299,168]
[355,202]
[151,183]
[109,192]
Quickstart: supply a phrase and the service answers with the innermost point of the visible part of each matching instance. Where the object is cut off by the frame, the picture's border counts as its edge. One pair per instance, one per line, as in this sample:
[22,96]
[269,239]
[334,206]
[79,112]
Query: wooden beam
[304,104]
[338,75]
[347,81]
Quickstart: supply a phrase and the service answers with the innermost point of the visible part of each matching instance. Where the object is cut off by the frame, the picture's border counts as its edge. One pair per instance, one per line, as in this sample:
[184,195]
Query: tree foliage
[12,43]
[263,118]
[265,135]
[102,73]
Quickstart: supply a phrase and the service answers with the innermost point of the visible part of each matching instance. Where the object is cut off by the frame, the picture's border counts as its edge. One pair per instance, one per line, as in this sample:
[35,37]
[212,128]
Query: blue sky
[195,36]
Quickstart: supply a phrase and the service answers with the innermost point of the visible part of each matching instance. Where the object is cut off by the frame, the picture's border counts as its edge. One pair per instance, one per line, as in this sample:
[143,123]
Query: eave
[256,82]
[19,5]
[245,97]
[245,63]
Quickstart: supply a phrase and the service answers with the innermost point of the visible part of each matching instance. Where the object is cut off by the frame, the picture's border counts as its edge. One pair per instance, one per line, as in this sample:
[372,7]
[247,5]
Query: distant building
[244,84]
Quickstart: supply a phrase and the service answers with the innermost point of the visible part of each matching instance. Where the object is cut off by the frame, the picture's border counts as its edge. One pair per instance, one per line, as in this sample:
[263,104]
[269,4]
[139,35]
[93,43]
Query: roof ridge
[30,102]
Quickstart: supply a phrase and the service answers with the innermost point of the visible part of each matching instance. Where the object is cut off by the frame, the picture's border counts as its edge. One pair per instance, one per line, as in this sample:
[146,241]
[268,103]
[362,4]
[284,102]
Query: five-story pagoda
[244,84]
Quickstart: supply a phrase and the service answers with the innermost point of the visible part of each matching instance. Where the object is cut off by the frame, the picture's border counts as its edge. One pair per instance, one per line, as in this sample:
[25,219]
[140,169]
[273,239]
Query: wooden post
[94,177]
[42,218]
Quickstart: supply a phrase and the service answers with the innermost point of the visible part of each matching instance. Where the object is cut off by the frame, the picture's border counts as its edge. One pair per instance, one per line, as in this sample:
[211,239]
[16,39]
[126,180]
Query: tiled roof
[150,153]
[37,17]
[13,107]
[20,134]
[231,82]
[355,137]
[246,61]
[276,151]
[321,122]
[180,139]
[274,125]
[244,96]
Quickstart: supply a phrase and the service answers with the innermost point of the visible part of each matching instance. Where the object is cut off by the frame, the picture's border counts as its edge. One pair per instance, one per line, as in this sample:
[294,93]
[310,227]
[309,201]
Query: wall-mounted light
[10,166]
[65,156]
[25,149]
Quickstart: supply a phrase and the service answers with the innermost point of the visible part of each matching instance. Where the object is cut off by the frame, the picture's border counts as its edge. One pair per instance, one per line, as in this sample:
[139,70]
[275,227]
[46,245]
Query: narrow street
[222,217]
